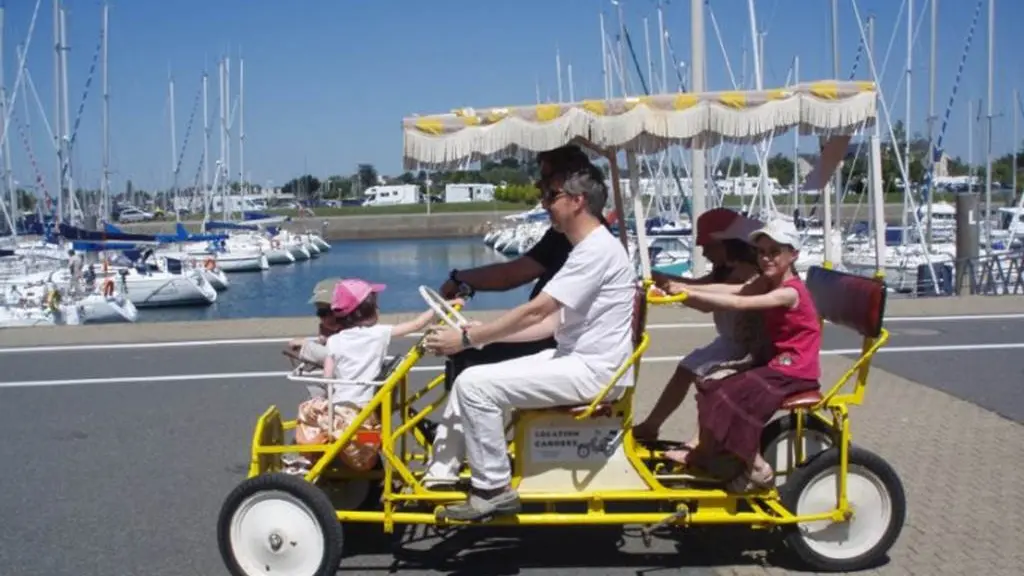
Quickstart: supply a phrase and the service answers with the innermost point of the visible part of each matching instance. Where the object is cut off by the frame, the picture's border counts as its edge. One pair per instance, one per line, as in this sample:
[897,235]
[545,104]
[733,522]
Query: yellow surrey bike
[836,505]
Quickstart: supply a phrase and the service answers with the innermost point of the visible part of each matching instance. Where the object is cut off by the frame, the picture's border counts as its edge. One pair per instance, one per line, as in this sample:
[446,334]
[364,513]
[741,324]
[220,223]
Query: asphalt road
[117,459]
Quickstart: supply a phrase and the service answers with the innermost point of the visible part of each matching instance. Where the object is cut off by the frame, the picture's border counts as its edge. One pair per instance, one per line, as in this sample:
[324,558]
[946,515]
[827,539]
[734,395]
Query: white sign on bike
[573,444]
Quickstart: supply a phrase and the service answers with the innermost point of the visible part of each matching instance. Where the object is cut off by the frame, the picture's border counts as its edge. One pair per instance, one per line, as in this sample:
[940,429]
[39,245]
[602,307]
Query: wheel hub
[275,542]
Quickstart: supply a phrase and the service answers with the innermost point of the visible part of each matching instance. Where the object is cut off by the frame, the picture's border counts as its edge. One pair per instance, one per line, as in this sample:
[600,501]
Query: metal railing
[995,275]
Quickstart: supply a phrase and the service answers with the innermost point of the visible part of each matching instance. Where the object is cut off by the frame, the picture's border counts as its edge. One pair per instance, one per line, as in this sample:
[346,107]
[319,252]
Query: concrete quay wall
[369,227]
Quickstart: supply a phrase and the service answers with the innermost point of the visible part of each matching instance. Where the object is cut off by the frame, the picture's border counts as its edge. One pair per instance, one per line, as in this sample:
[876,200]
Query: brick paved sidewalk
[961,468]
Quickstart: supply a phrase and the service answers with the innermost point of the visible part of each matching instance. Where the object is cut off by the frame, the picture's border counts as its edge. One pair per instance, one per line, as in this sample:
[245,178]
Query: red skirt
[734,410]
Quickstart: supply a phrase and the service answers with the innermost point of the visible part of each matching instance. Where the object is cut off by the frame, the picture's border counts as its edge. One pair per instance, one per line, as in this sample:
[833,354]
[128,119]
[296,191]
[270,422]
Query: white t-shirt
[358,354]
[596,288]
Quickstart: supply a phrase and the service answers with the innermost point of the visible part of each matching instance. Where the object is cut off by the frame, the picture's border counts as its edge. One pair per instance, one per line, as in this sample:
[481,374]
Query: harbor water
[403,265]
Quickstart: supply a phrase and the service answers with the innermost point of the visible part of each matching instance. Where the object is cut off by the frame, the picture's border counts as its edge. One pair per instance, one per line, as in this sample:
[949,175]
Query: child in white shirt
[355,353]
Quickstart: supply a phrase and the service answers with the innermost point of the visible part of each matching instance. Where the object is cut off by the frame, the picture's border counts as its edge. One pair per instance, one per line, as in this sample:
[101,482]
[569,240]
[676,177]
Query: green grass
[440,208]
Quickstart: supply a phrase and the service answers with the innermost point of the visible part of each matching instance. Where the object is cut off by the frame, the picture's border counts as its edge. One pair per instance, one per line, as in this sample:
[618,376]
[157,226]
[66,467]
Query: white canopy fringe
[641,124]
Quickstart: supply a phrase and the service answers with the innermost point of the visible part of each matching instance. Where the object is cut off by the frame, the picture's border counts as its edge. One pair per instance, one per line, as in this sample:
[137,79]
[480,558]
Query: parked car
[132,214]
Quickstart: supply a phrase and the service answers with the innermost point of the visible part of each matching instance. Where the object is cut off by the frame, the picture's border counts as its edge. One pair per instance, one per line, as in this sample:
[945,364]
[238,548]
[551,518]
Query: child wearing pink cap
[356,353]
[358,350]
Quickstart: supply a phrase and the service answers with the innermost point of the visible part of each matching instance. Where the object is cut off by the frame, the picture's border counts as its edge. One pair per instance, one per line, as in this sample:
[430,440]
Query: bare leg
[671,398]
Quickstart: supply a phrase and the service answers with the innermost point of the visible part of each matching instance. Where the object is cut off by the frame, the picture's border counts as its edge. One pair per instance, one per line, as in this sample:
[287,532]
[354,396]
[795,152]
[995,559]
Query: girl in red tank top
[734,410]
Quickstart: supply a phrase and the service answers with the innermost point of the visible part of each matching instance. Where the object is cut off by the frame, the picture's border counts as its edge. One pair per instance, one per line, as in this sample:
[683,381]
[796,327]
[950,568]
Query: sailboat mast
[906,121]
[1014,104]
[796,143]
[241,122]
[558,73]
[72,200]
[604,60]
[206,145]
[970,146]
[931,122]
[229,114]
[988,152]
[8,174]
[623,71]
[661,48]
[223,143]
[698,160]
[835,220]
[58,142]
[572,89]
[650,63]
[878,224]
[174,153]
[105,183]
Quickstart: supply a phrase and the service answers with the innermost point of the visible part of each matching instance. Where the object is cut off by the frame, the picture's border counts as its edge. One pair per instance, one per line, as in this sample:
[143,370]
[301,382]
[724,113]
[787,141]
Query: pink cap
[350,293]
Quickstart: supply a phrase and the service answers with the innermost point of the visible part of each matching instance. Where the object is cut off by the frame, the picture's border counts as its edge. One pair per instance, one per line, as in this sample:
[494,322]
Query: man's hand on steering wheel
[444,341]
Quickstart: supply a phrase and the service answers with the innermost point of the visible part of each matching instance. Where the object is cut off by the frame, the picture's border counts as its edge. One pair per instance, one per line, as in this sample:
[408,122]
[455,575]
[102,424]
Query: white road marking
[438,367]
[261,341]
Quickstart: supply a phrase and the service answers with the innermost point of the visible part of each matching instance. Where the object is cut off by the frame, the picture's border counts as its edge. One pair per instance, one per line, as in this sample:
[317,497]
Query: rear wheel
[878,509]
[779,442]
[279,524]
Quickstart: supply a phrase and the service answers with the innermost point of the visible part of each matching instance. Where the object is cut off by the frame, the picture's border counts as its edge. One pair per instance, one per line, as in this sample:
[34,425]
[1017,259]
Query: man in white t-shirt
[587,306]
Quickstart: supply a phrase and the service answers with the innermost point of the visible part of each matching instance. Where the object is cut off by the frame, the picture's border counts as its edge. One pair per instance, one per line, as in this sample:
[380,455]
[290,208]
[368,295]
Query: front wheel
[279,524]
[878,509]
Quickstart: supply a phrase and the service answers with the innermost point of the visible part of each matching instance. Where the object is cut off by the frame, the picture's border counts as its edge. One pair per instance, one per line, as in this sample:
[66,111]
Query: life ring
[275,244]
[210,264]
[108,288]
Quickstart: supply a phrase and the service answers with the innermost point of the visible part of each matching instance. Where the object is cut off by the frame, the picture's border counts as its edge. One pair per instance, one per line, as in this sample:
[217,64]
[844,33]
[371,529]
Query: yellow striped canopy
[644,124]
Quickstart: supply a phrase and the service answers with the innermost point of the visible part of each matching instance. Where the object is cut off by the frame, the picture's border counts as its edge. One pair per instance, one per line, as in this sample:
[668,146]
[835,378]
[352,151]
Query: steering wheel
[443,310]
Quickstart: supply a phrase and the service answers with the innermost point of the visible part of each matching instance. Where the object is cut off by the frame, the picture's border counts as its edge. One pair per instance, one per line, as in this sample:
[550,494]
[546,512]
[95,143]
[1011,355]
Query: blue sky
[328,82]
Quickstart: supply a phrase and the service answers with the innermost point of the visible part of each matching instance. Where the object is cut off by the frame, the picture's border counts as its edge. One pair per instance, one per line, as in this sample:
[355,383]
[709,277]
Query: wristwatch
[465,338]
[463,288]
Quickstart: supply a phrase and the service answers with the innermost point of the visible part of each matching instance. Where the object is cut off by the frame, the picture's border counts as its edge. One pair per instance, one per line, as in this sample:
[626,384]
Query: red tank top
[796,335]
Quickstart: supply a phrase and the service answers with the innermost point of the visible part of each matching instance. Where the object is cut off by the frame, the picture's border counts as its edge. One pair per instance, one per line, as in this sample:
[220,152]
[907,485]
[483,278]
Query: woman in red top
[733,411]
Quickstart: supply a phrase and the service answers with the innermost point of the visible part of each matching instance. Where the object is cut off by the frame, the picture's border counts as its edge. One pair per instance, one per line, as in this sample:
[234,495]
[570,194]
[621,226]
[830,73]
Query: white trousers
[474,419]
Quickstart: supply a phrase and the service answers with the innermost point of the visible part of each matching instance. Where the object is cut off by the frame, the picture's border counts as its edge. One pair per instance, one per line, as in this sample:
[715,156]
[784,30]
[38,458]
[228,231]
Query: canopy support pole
[638,216]
[617,195]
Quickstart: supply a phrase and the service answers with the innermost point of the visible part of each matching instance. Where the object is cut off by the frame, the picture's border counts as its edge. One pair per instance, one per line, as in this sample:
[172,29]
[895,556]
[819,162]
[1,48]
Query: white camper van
[468,193]
[392,195]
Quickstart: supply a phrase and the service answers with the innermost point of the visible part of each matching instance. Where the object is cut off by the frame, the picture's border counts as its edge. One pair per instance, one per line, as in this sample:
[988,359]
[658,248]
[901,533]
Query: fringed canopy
[644,124]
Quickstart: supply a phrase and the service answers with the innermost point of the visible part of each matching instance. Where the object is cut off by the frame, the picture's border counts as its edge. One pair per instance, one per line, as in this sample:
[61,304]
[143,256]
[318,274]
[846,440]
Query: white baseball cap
[740,229]
[781,231]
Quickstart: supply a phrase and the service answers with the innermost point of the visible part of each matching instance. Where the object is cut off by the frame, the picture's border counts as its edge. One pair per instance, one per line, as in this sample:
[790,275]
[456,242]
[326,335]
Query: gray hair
[589,183]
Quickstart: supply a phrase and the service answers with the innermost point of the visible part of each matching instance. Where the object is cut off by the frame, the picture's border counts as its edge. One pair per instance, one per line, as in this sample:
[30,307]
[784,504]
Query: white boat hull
[275,257]
[162,289]
[229,262]
[99,309]
[299,252]
[217,278]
